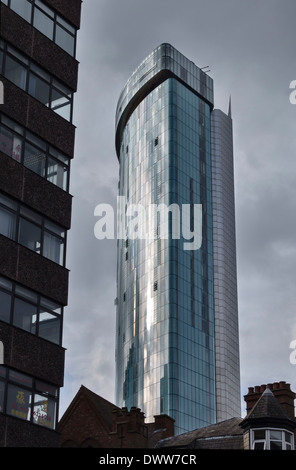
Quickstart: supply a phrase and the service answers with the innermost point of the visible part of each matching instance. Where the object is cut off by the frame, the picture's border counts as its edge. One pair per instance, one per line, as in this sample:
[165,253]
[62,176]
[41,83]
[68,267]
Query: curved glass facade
[165,333]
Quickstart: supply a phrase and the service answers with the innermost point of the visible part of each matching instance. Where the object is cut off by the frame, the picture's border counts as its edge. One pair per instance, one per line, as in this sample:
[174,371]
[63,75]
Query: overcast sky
[250,48]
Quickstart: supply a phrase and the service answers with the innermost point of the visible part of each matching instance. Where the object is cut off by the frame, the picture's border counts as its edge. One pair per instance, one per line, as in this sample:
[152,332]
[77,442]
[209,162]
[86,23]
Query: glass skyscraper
[172,351]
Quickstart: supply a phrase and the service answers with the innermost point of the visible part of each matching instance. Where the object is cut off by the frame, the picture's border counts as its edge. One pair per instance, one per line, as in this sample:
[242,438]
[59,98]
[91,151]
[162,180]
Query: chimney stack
[281,390]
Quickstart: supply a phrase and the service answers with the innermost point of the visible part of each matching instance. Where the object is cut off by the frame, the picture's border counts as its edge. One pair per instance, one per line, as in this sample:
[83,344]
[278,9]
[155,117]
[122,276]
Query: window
[32,230]
[33,152]
[25,398]
[29,311]
[31,78]
[271,439]
[47,21]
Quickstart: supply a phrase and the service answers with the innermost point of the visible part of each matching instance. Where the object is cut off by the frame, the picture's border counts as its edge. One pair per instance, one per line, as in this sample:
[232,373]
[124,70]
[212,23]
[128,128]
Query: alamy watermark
[293,353]
[293,94]
[136,221]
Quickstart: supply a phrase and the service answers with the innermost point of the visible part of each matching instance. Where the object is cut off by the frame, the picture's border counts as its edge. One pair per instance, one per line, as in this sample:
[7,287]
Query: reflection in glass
[44,411]
[53,248]
[5,304]
[25,315]
[34,159]
[19,402]
[49,326]
[23,8]
[64,40]
[30,235]
[43,23]
[57,173]
[7,223]
[15,72]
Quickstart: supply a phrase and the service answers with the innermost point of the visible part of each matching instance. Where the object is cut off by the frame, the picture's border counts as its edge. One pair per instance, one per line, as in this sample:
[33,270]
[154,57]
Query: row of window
[47,21]
[25,398]
[23,72]
[271,439]
[30,311]
[33,152]
[32,230]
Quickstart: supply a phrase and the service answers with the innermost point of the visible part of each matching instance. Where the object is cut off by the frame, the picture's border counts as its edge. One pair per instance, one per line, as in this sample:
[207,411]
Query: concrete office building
[39,75]
[177,350]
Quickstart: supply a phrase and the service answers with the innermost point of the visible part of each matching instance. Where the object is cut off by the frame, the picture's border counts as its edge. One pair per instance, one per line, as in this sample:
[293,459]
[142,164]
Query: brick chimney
[281,391]
[129,429]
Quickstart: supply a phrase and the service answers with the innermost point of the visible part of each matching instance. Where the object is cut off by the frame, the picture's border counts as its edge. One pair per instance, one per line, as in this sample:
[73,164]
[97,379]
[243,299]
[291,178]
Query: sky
[249,47]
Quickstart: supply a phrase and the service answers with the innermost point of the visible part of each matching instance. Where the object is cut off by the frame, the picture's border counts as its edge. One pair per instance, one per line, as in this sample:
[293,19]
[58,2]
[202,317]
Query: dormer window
[271,439]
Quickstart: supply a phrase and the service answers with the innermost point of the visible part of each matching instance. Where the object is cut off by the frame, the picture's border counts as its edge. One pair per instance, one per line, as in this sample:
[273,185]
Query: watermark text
[136,221]
[293,353]
[293,94]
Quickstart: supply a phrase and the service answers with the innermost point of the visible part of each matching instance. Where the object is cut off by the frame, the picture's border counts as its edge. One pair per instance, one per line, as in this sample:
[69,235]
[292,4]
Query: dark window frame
[34,387]
[56,18]
[39,304]
[34,70]
[48,150]
[19,215]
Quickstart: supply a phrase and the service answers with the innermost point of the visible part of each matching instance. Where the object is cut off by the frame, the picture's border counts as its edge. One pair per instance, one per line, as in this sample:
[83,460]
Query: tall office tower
[172,351]
[39,74]
[177,339]
[225,275]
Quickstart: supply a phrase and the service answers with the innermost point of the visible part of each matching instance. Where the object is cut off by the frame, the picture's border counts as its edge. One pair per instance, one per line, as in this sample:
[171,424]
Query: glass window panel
[20,378]
[275,445]
[5,2]
[39,89]
[25,315]
[6,141]
[259,434]
[259,445]
[23,8]
[44,412]
[46,388]
[7,223]
[15,72]
[2,391]
[65,40]
[64,112]
[5,283]
[29,214]
[19,402]
[288,437]
[5,304]
[66,25]
[275,434]
[48,305]
[49,327]
[54,228]
[35,159]
[12,125]
[57,173]
[43,7]
[18,55]
[60,156]
[41,72]
[43,23]
[8,202]
[53,248]
[30,235]
[26,293]
[35,140]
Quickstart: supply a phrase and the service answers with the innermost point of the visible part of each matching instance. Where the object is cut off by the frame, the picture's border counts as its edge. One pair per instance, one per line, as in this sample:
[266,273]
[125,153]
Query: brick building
[92,421]
[39,77]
